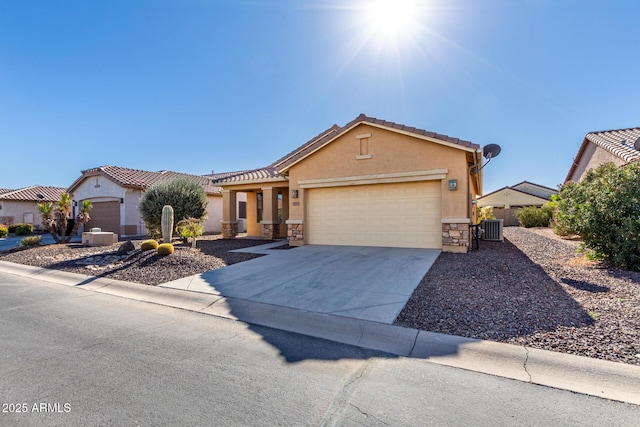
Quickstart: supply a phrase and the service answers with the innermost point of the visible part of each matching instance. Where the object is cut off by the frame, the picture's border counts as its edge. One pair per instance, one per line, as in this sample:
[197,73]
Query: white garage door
[393,215]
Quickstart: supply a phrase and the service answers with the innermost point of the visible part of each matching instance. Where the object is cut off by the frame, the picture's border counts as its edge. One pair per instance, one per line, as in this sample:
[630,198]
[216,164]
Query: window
[259,206]
[242,210]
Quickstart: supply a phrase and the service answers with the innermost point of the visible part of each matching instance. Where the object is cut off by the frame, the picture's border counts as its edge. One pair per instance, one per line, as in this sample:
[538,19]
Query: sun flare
[393,18]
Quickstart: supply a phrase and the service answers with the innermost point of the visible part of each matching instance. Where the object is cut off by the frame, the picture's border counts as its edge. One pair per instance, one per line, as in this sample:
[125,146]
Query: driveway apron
[360,282]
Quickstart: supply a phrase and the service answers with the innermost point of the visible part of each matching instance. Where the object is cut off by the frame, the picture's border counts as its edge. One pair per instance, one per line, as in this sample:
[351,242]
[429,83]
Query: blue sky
[201,85]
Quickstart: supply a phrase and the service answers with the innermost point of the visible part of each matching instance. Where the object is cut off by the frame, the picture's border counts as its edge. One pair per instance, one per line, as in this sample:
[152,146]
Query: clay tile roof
[221,175]
[618,142]
[35,193]
[266,173]
[135,178]
[307,146]
[4,190]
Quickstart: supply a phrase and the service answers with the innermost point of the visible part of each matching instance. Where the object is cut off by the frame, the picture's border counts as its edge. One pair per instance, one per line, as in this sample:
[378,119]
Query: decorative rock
[126,247]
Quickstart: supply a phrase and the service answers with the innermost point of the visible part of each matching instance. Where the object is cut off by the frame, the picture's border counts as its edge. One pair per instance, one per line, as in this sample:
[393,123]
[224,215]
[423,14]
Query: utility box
[492,230]
[99,238]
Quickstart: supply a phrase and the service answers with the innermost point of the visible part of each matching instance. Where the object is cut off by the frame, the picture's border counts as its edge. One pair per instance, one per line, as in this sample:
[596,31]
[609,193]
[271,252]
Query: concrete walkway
[358,282]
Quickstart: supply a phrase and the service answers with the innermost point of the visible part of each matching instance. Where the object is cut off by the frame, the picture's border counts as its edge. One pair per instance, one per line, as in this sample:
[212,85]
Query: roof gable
[619,142]
[277,170]
[506,192]
[535,189]
[335,132]
[140,179]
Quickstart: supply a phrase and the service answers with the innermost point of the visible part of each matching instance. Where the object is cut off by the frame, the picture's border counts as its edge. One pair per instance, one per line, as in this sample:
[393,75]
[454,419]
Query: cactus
[167,223]
[148,245]
[165,249]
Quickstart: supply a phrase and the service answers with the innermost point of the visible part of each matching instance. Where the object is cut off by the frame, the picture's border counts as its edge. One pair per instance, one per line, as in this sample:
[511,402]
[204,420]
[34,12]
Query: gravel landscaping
[532,289]
[147,267]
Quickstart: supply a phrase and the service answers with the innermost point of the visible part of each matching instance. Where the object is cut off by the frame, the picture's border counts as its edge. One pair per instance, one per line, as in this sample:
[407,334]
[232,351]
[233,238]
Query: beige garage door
[105,215]
[393,215]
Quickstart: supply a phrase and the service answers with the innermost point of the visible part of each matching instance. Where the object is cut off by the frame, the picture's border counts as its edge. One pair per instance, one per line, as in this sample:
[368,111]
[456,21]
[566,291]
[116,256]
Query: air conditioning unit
[492,230]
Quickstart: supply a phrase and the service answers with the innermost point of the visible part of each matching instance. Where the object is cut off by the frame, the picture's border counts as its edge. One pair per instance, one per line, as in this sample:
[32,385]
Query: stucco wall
[390,152]
[101,189]
[593,157]
[17,209]
[507,198]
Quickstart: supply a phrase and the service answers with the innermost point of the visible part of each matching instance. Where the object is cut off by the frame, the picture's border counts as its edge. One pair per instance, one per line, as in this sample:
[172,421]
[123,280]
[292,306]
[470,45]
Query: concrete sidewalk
[609,380]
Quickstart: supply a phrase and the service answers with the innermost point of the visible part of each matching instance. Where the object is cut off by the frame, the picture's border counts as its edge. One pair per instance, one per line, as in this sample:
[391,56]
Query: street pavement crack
[334,414]
[366,415]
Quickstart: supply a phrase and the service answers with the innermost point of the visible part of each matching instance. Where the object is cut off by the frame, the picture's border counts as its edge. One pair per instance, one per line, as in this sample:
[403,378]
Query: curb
[595,377]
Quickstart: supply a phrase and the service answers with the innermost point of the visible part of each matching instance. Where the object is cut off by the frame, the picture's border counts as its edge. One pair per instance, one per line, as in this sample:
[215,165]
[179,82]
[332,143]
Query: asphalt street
[71,356]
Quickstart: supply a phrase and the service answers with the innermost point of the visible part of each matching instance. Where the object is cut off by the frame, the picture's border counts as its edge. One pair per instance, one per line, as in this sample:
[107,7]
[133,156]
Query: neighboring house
[616,146]
[21,206]
[507,200]
[367,183]
[115,193]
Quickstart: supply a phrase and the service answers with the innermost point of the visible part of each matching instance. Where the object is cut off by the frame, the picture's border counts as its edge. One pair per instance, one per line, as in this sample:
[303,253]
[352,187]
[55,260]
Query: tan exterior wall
[368,155]
[593,157]
[253,227]
[390,152]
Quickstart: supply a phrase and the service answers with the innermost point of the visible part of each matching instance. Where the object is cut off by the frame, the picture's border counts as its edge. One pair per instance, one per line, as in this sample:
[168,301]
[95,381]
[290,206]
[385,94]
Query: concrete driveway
[351,281]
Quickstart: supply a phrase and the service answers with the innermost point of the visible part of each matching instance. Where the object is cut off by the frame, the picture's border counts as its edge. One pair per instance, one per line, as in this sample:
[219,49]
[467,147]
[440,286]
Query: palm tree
[46,210]
[82,217]
[63,210]
[55,217]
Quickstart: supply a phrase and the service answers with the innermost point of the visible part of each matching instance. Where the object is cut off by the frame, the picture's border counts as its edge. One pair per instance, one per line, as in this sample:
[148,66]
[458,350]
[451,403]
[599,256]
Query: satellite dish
[490,151]
[636,144]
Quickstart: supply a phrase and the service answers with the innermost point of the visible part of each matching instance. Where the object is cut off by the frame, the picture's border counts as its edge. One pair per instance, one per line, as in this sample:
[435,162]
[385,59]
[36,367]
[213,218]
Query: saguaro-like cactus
[167,223]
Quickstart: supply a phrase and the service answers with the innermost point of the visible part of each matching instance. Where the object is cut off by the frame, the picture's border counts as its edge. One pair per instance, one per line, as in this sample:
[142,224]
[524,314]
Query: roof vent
[636,144]
[623,141]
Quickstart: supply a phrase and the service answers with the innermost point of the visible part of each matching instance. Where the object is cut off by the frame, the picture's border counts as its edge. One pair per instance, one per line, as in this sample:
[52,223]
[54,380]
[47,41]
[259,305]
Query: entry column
[229,216]
[270,222]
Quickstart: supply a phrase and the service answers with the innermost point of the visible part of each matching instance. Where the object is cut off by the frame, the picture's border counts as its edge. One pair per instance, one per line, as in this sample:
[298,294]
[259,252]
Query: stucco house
[21,206]
[368,183]
[616,146]
[115,193]
[507,200]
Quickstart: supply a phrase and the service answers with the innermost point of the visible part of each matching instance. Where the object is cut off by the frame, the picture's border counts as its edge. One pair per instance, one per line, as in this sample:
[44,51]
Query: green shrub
[24,229]
[533,216]
[31,241]
[147,245]
[20,229]
[604,210]
[165,249]
[485,213]
[4,230]
[190,228]
[187,197]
